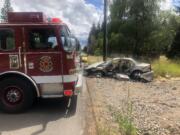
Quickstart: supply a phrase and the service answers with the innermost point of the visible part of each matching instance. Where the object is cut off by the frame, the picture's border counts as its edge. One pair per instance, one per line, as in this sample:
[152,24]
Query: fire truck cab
[37,59]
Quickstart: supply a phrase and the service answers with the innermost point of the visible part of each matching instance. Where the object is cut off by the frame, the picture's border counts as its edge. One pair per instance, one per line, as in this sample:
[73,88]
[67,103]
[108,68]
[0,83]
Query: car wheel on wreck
[136,75]
[85,73]
[99,74]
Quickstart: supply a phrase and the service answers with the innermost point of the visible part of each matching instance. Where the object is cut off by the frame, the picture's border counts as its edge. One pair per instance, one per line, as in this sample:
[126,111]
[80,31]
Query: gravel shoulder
[155,106]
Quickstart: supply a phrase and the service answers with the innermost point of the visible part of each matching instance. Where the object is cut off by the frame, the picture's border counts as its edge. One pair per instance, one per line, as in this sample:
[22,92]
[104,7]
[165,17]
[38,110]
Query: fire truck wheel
[16,95]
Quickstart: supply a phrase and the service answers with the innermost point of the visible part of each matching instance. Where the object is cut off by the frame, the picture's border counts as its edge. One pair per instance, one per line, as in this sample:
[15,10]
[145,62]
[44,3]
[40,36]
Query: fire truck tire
[16,95]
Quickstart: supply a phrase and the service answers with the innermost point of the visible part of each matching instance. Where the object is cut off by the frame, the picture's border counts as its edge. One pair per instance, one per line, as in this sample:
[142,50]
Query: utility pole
[105,32]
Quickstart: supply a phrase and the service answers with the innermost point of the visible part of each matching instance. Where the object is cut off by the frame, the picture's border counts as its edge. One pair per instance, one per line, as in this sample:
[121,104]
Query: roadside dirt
[91,126]
[155,108]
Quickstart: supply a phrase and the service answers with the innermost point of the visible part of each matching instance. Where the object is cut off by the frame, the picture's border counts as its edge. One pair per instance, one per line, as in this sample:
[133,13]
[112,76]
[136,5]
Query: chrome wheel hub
[13,95]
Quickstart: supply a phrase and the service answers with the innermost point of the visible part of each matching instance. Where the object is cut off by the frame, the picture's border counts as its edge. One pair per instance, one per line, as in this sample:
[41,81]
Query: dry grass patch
[166,68]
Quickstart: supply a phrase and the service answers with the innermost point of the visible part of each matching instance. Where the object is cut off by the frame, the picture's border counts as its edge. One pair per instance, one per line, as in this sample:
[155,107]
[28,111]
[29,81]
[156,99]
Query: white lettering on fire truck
[46,64]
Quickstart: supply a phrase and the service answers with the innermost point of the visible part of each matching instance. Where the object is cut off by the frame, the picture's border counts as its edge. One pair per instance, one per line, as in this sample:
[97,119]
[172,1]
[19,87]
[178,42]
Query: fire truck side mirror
[69,43]
[73,42]
[78,46]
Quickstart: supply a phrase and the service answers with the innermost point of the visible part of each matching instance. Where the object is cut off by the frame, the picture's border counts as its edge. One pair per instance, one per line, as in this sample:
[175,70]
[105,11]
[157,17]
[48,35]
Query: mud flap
[71,106]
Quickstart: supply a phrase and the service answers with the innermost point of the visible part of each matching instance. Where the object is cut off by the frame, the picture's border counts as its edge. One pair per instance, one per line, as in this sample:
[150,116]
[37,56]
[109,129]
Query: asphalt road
[46,117]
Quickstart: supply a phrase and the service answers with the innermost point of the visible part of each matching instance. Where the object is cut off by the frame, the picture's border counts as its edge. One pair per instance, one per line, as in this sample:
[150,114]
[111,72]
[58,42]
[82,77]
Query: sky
[79,15]
[167,4]
[97,3]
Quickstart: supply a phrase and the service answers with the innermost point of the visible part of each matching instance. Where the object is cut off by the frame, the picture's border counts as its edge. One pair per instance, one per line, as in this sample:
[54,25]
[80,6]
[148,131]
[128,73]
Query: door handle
[20,60]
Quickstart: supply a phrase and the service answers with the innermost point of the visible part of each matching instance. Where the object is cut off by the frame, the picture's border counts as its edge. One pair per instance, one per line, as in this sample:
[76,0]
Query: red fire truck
[37,60]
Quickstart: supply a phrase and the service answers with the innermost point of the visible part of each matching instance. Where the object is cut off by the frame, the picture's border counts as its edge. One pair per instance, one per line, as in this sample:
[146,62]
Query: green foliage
[98,52]
[166,68]
[174,51]
[135,22]
[85,49]
[5,9]
[124,118]
[125,125]
[137,27]
[95,40]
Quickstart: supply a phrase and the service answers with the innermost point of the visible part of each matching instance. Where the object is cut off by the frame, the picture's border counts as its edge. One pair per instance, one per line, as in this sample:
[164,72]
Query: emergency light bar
[26,17]
[30,17]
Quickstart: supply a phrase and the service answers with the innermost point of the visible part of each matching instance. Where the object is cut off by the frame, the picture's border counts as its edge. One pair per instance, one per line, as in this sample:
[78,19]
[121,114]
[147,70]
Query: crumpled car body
[127,66]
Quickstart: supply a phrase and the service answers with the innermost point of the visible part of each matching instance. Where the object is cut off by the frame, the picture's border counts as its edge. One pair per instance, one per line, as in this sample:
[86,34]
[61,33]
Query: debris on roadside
[122,77]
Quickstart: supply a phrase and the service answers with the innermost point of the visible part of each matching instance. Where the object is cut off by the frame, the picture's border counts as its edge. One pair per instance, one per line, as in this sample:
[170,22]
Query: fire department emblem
[46,64]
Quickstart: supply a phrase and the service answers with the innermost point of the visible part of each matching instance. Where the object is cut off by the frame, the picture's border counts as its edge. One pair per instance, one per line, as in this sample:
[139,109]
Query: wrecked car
[126,66]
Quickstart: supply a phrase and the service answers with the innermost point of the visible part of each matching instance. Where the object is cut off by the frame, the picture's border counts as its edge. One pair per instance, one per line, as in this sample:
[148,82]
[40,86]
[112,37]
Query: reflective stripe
[55,79]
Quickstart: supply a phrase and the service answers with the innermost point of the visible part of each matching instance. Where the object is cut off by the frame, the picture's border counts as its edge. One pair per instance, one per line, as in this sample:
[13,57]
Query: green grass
[94,59]
[124,118]
[166,68]
[103,130]
[126,127]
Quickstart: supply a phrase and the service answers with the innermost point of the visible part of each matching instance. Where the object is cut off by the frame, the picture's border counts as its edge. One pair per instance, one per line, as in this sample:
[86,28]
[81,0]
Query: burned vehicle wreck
[121,66]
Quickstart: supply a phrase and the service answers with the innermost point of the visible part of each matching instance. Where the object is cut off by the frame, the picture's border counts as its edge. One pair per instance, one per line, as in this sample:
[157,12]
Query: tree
[5,9]
[143,14]
[95,39]
[175,48]
[137,27]
[174,51]
[132,24]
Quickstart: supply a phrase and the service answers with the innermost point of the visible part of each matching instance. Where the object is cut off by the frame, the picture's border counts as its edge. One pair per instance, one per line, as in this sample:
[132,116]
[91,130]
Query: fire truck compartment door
[43,59]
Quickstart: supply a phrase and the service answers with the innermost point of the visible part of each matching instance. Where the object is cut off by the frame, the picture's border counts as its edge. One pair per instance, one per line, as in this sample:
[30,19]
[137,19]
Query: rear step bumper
[79,84]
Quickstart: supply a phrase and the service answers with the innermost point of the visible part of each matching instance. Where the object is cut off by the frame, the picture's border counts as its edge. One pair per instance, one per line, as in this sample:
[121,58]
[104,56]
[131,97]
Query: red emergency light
[56,20]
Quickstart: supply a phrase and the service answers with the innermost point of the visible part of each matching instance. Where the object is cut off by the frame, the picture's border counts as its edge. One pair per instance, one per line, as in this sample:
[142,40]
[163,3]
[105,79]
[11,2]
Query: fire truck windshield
[67,39]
